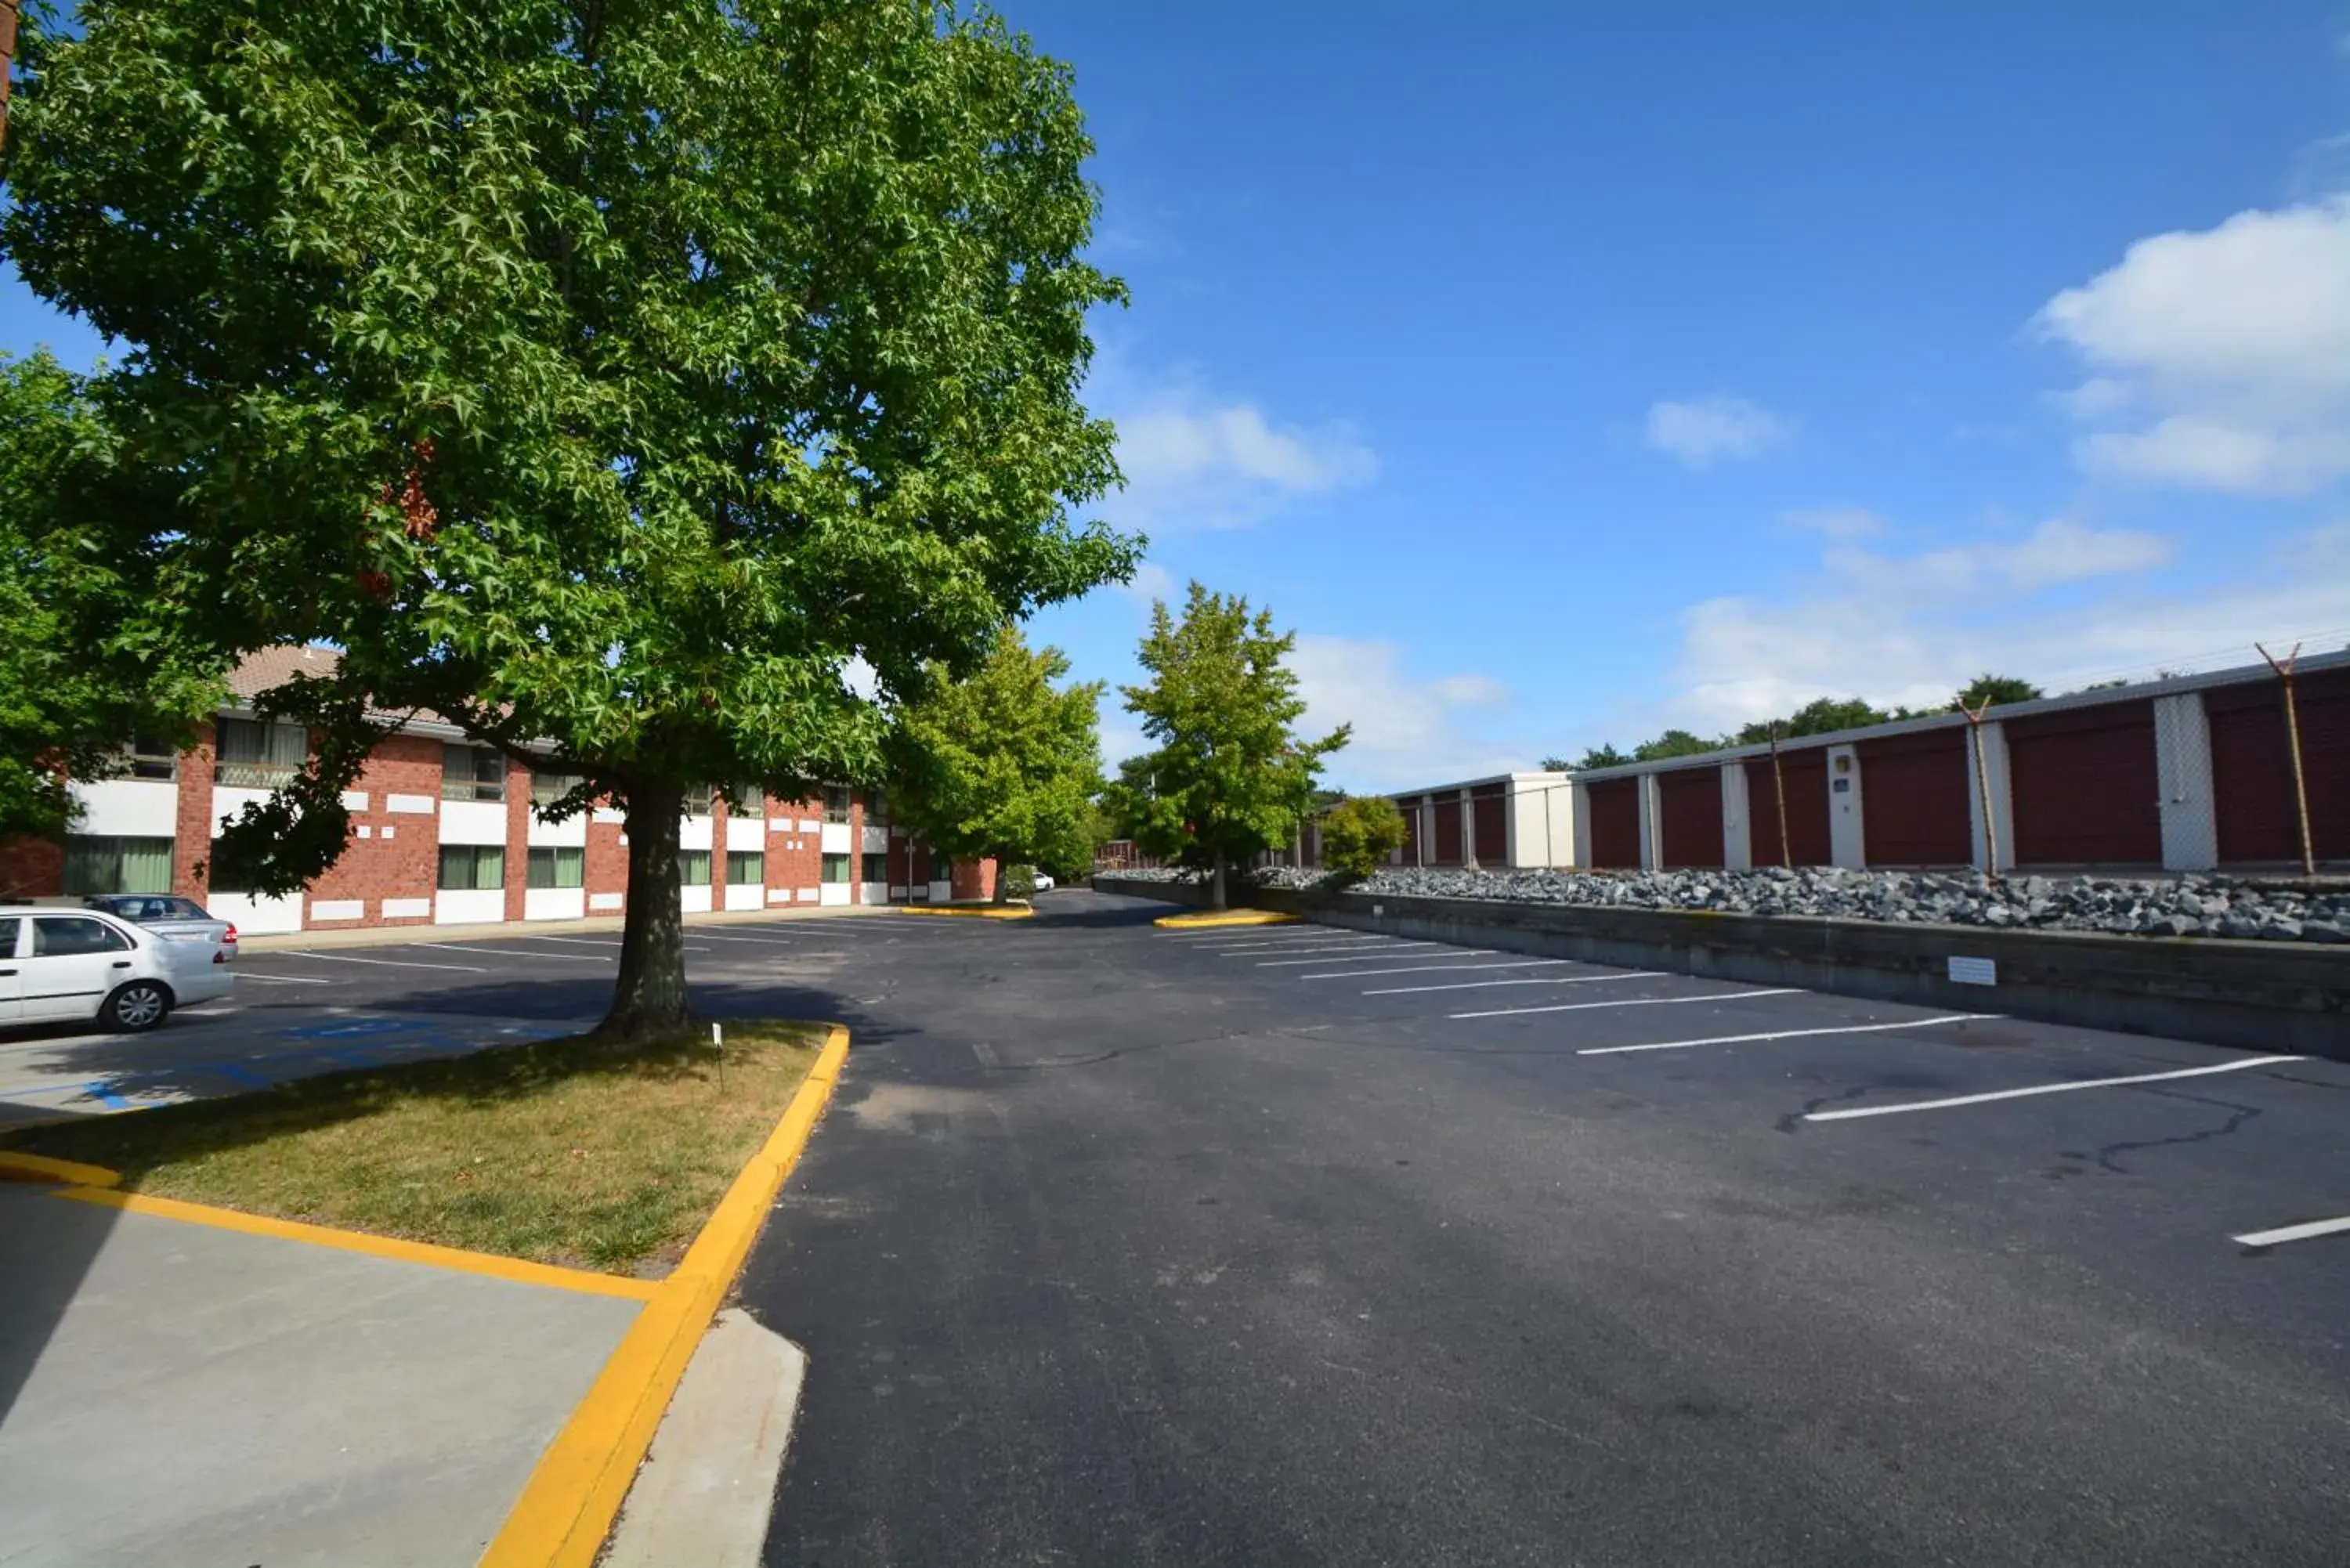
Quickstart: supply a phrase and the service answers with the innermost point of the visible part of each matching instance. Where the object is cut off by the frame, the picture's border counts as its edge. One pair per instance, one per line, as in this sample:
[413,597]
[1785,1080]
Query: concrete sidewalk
[181,1392]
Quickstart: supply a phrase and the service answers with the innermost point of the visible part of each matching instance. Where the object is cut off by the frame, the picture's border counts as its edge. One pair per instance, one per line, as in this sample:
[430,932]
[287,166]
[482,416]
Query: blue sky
[1560,373]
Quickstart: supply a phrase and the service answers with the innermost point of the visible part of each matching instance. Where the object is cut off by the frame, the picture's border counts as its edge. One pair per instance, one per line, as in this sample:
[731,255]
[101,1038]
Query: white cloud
[1837,522]
[1407,731]
[1913,629]
[1702,431]
[1151,581]
[2236,338]
[2058,550]
[1194,464]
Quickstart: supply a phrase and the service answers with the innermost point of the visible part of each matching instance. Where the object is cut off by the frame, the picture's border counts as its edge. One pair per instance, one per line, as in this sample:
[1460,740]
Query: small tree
[1230,777]
[1001,763]
[98,644]
[1995,689]
[1603,756]
[1359,832]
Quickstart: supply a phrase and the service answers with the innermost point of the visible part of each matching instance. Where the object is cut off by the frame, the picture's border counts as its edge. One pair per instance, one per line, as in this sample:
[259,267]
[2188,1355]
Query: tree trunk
[1003,881]
[649,997]
[1216,894]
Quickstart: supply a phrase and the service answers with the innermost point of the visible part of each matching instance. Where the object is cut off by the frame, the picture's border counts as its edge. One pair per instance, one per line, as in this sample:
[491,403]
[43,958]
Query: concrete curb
[425,931]
[569,1504]
[1223,918]
[972,911]
[69,1172]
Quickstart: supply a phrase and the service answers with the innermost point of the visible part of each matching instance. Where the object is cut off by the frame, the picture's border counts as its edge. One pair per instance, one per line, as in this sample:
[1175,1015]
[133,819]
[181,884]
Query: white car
[65,965]
[1041,883]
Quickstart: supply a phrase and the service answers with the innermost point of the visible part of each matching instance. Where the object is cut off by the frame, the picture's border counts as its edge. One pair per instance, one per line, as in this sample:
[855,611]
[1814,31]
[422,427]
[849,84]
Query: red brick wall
[32,868]
[608,862]
[195,847]
[517,836]
[374,867]
[794,859]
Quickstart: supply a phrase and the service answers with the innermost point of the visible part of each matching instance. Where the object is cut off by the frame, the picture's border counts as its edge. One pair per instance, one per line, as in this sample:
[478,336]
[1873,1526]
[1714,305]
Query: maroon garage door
[2252,769]
[1447,832]
[2084,787]
[1491,818]
[1616,823]
[1806,773]
[1913,801]
[1688,803]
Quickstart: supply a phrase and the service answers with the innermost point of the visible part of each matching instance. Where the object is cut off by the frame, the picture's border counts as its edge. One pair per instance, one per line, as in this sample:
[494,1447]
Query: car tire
[136,1006]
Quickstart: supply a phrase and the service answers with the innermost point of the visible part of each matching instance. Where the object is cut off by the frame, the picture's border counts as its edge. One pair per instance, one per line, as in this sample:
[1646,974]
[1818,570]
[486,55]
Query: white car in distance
[63,966]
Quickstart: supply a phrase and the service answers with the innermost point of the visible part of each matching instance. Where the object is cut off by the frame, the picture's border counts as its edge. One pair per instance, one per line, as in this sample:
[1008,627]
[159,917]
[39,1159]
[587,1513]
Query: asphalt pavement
[1292,1245]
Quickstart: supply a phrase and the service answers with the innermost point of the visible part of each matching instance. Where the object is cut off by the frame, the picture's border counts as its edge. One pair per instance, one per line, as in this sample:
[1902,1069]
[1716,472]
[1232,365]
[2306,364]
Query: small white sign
[1974,971]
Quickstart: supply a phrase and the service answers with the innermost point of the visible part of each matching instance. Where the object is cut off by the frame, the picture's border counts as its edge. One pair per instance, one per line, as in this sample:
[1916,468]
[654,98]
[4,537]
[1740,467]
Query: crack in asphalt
[2107,1157]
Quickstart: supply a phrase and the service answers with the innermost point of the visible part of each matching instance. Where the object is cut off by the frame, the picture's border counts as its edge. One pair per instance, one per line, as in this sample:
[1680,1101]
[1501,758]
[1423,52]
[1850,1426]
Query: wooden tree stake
[1779,795]
[1982,786]
[2292,741]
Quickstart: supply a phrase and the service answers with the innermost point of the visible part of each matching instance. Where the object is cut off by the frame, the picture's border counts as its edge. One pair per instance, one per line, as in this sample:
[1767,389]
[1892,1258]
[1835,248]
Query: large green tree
[1229,776]
[97,644]
[1003,763]
[601,375]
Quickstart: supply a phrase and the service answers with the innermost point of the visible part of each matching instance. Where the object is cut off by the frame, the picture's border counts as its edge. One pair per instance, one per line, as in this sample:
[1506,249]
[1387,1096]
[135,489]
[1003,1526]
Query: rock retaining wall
[2257,995]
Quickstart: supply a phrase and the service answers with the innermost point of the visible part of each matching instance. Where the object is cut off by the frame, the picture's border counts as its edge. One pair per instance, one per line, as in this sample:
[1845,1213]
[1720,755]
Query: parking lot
[1293,1244]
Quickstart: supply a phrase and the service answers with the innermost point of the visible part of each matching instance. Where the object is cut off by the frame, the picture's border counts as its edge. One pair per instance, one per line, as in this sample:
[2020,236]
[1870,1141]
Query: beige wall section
[1737,825]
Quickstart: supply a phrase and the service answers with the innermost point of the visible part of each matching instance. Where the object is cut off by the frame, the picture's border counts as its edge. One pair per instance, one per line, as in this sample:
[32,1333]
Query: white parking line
[764,941]
[287,978]
[1423,968]
[1379,953]
[1310,944]
[501,952]
[1477,984]
[2293,1232]
[394,963]
[1784,1034]
[1633,1002]
[579,942]
[1943,1104]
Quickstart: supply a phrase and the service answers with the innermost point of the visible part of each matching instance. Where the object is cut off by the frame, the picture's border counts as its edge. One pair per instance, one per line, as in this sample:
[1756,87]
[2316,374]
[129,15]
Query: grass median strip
[574,1152]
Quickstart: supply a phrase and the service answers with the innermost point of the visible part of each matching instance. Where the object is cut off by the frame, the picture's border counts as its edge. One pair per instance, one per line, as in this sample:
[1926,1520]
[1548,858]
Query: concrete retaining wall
[2260,996]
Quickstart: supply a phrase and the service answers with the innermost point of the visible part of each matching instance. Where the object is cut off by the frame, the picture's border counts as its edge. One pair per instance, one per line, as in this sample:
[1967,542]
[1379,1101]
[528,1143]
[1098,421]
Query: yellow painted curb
[569,1506]
[519,1270]
[970,913]
[1215,918]
[41,1168]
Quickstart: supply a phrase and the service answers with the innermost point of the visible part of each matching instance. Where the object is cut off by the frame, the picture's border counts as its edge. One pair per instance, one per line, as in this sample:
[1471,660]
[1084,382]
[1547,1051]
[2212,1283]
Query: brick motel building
[444,833]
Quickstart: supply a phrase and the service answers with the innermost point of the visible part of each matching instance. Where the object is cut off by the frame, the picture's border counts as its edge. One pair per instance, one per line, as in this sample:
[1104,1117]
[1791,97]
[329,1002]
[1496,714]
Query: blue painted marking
[233,1070]
[344,1031]
[97,1090]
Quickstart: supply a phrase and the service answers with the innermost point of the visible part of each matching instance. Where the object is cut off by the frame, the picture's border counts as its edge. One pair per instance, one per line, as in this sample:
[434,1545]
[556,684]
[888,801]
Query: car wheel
[136,1007]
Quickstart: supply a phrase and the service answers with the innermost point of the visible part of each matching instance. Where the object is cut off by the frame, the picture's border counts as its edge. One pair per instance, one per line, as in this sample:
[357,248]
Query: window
[877,809]
[693,867]
[876,866]
[60,936]
[473,772]
[750,800]
[747,868]
[222,882]
[254,754]
[835,804]
[153,758]
[696,802]
[8,928]
[547,788]
[835,868]
[473,867]
[100,865]
[558,866]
